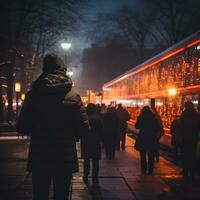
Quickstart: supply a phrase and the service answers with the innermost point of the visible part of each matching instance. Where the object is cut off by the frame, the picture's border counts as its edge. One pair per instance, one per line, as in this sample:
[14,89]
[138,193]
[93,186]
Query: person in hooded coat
[123,117]
[91,144]
[189,134]
[53,115]
[146,142]
[111,127]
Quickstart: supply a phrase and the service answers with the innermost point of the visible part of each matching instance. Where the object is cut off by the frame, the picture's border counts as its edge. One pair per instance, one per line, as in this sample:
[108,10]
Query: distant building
[101,64]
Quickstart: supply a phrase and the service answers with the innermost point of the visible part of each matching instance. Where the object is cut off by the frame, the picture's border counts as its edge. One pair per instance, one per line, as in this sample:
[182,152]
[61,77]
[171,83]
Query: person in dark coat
[111,127]
[190,128]
[53,115]
[123,117]
[91,144]
[176,138]
[148,126]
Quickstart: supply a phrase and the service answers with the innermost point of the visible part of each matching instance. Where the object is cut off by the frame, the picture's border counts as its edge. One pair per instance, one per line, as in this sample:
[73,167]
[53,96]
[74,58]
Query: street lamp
[66,46]
[17,90]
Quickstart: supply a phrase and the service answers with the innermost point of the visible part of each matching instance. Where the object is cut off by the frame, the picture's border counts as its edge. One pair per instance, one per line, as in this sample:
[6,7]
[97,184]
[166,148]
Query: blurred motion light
[17,87]
[66,45]
[172,91]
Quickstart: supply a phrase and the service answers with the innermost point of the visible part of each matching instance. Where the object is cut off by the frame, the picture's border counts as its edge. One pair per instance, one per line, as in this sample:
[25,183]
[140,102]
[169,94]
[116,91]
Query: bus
[167,79]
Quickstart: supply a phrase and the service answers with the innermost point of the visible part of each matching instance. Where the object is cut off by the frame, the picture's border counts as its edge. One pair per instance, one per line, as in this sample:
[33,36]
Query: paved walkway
[120,179]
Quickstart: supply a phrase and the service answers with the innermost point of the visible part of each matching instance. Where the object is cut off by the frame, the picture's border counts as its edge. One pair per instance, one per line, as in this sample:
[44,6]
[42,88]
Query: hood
[56,82]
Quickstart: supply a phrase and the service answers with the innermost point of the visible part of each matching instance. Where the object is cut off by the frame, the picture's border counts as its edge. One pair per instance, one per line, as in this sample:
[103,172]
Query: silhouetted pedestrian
[91,144]
[111,126]
[146,141]
[54,117]
[103,108]
[190,128]
[123,117]
[176,138]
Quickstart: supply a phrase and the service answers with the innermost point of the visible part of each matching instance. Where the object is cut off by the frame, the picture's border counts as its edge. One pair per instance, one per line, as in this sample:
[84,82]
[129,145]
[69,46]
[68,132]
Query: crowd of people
[107,130]
[55,118]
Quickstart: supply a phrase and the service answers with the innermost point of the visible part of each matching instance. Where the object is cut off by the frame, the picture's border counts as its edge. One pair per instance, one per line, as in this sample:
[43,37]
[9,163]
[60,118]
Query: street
[120,179]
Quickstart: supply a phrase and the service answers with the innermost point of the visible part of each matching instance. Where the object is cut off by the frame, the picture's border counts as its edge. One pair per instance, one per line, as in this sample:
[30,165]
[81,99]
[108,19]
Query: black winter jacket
[147,138]
[189,128]
[53,115]
[91,144]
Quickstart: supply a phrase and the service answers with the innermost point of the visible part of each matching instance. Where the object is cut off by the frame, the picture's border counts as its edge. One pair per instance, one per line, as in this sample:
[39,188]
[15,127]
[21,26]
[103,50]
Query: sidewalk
[119,179]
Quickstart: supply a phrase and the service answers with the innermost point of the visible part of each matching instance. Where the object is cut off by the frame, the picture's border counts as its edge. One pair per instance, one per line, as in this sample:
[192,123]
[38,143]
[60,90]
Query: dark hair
[146,110]
[119,105]
[91,108]
[52,62]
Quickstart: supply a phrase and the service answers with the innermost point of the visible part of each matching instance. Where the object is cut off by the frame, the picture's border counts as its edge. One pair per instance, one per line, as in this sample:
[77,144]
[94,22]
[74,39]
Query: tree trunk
[10,81]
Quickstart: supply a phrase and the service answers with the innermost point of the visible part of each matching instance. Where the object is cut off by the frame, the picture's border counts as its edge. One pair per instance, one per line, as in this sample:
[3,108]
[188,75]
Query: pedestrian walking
[146,141]
[123,117]
[53,116]
[190,129]
[91,144]
[176,138]
[111,127]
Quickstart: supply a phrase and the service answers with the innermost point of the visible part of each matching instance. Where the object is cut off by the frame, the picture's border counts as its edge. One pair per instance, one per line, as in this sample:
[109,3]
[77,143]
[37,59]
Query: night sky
[90,12]
[95,7]
[101,6]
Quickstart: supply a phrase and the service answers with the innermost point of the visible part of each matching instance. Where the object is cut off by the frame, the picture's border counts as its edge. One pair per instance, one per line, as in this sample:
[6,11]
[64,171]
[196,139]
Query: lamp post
[17,90]
[66,46]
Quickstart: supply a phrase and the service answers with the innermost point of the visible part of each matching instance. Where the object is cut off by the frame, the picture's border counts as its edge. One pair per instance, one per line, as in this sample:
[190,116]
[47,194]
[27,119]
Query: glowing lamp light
[17,87]
[107,89]
[66,46]
[195,102]
[70,73]
[172,91]
[23,97]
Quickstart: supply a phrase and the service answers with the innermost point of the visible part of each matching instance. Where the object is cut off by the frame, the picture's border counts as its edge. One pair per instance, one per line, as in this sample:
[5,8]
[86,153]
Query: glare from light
[159,103]
[107,89]
[66,46]
[22,97]
[140,103]
[14,103]
[172,91]
[195,102]
[17,87]
[70,73]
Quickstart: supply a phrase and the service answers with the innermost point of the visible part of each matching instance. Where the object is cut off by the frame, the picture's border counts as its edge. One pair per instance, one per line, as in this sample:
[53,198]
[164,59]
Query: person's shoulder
[72,98]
